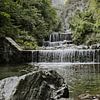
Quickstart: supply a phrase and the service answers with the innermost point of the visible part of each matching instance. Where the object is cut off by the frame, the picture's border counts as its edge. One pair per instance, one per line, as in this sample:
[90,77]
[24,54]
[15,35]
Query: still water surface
[81,78]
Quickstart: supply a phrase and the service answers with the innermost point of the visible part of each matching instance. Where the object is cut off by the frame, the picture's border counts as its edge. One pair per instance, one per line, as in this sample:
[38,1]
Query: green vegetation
[27,21]
[86,24]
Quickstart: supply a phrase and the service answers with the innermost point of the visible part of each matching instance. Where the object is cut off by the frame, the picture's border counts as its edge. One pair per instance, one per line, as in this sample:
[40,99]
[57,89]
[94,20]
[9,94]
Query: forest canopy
[27,21]
[86,24]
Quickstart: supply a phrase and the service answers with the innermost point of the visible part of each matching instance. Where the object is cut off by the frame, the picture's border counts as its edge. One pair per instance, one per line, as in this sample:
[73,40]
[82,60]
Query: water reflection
[81,78]
[15,70]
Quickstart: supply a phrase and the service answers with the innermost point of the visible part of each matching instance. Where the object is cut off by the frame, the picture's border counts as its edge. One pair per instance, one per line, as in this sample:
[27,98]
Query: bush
[37,18]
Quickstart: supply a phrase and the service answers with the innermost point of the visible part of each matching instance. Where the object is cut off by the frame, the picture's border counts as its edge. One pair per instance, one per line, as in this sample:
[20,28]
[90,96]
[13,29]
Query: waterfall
[69,55]
[54,37]
[66,55]
[58,39]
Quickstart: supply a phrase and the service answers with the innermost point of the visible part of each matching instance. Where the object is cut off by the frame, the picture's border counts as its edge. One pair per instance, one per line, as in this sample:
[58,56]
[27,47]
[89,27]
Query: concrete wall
[10,52]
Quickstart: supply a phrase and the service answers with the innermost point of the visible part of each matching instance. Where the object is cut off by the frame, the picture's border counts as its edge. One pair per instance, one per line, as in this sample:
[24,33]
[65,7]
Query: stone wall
[10,52]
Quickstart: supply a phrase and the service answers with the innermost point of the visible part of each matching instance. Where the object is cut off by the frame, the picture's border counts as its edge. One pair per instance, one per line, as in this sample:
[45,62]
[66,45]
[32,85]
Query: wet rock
[64,42]
[84,97]
[88,96]
[98,96]
[95,46]
[39,85]
[7,86]
[82,47]
[63,92]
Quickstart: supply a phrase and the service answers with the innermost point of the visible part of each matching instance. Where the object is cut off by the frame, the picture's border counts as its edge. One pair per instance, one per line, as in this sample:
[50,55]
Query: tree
[27,20]
[86,25]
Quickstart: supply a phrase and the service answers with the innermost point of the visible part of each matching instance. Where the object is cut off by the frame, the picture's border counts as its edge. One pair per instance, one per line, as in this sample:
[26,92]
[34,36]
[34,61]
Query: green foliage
[86,25]
[37,18]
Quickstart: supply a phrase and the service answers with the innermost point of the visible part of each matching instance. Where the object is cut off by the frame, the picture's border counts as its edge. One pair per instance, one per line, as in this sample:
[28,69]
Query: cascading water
[65,55]
[57,39]
[54,37]
[68,55]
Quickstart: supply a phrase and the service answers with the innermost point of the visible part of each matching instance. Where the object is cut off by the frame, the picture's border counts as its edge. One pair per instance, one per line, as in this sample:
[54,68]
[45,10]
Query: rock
[38,85]
[63,92]
[84,96]
[64,42]
[95,46]
[88,96]
[98,96]
[82,47]
[7,86]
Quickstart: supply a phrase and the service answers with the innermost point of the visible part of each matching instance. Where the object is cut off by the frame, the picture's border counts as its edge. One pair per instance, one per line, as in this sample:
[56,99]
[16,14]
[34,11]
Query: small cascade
[56,39]
[67,55]
[59,37]
[64,52]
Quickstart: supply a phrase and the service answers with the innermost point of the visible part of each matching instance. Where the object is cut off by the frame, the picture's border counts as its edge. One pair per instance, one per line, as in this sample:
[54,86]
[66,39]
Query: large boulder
[39,85]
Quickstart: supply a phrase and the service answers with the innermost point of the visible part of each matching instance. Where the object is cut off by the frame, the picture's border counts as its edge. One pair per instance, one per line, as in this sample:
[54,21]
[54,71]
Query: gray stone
[95,46]
[88,96]
[39,85]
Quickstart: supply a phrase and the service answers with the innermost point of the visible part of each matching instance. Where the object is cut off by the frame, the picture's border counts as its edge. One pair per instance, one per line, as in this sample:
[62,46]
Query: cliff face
[69,10]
